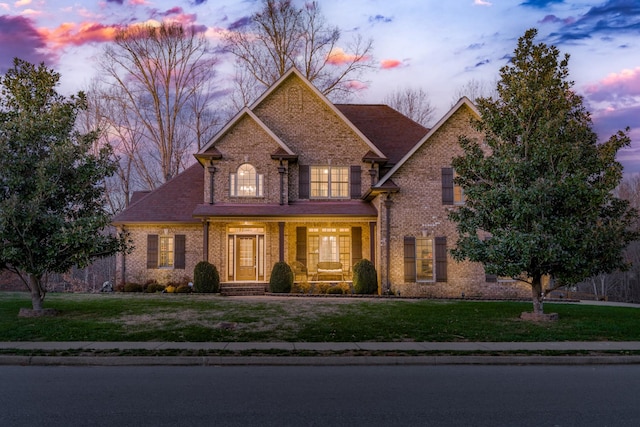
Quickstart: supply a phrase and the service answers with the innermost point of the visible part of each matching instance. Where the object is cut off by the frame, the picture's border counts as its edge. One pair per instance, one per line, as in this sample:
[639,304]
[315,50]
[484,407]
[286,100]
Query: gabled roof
[392,132]
[174,201]
[330,105]
[245,112]
[464,102]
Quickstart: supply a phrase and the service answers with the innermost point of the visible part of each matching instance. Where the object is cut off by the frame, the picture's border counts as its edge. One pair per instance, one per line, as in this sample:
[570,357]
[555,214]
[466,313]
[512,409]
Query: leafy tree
[540,202]
[52,213]
[281,36]
[413,103]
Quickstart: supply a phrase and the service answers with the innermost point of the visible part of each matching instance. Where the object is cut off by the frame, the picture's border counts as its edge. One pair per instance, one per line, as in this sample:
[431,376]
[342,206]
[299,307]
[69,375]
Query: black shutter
[441,259]
[303,182]
[301,245]
[356,186]
[152,251]
[180,249]
[409,259]
[447,186]
[356,244]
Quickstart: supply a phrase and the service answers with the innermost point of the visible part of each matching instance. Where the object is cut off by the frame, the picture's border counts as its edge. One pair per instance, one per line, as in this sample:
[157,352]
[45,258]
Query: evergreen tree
[52,213]
[539,200]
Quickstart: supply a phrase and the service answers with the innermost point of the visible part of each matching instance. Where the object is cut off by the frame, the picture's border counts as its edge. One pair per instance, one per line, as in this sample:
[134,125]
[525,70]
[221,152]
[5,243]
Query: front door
[246,262]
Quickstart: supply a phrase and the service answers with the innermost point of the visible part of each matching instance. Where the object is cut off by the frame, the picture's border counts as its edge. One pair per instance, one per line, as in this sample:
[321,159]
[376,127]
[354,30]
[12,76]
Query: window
[246,182]
[452,194]
[424,260]
[458,192]
[329,244]
[166,252]
[329,182]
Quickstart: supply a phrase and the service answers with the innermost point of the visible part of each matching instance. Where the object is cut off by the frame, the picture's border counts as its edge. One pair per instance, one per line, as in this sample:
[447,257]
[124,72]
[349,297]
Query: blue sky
[436,45]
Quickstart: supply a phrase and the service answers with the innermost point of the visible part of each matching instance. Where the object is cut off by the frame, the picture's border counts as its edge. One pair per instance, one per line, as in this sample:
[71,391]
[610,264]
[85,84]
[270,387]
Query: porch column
[281,241]
[205,240]
[387,204]
[372,242]
[282,170]
[212,172]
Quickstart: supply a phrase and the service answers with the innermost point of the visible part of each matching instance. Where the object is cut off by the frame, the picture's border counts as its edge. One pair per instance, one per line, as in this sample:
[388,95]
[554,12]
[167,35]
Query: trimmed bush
[365,278]
[281,279]
[335,290]
[133,287]
[206,278]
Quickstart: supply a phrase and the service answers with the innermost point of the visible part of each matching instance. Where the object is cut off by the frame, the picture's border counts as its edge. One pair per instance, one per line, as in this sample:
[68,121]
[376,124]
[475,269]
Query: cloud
[19,38]
[115,1]
[21,3]
[240,23]
[338,57]
[380,19]
[552,19]
[388,64]
[198,2]
[482,3]
[616,87]
[540,4]
[68,34]
[611,18]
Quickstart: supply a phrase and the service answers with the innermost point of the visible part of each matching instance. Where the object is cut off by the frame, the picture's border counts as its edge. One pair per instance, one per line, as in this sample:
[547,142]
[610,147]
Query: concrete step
[242,289]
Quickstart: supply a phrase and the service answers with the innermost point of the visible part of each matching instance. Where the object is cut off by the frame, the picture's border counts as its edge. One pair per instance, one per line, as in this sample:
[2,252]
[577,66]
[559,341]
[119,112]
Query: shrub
[322,287]
[154,287]
[133,287]
[301,287]
[335,290]
[170,289]
[183,289]
[281,279]
[365,278]
[206,278]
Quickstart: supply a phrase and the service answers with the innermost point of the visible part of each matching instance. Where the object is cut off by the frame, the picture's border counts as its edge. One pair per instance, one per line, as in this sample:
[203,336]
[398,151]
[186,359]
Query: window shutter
[409,259]
[301,245]
[303,182]
[356,244]
[447,186]
[152,251]
[180,249]
[355,182]
[441,259]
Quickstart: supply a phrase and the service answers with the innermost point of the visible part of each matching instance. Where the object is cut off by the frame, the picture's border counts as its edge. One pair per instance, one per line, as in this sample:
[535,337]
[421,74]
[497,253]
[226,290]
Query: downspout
[387,204]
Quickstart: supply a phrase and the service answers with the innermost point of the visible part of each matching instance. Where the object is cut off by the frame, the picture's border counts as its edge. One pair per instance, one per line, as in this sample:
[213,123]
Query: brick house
[320,186]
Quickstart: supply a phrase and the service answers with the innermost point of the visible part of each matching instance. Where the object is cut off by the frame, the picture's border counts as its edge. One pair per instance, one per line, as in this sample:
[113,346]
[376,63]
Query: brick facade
[293,126]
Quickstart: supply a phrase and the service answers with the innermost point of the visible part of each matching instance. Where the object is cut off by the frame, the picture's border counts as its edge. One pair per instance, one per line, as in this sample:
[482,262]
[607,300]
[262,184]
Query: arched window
[246,182]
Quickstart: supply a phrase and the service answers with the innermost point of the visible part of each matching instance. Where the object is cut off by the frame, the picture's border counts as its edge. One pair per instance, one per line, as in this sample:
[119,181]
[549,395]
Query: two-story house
[318,185]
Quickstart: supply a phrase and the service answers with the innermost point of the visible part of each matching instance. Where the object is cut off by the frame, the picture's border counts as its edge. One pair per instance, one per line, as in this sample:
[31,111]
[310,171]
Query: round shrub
[206,278]
[154,287]
[281,279]
[365,278]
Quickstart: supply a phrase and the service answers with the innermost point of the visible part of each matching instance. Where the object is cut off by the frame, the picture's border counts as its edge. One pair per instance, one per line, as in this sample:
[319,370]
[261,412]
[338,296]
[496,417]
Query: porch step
[242,289]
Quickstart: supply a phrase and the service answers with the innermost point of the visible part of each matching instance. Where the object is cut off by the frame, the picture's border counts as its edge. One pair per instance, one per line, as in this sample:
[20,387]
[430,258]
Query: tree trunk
[37,291]
[536,295]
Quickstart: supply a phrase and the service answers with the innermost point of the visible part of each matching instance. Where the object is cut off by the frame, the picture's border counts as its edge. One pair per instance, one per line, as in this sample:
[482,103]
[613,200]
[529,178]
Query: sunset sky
[436,45]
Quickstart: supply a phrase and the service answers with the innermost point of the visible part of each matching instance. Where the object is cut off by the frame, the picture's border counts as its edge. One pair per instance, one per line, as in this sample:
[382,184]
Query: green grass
[165,317]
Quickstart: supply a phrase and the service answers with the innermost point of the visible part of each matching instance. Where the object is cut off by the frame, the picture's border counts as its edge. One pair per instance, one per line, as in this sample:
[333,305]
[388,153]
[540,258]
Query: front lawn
[192,317]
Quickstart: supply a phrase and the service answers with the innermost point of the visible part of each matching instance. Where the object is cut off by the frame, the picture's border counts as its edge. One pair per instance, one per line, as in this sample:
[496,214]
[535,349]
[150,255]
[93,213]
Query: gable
[455,123]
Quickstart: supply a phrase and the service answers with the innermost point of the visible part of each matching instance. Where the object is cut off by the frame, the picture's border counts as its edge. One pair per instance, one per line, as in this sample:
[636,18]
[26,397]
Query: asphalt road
[320,396]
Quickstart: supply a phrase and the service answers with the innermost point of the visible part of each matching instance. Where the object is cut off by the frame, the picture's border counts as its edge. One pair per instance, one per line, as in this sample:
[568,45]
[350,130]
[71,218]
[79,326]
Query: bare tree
[160,94]
[475,89]
[413,103]
[281,36]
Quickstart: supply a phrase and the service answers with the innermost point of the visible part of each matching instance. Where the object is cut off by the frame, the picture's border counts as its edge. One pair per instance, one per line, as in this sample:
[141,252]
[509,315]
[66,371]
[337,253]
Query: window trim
[418,259]
[166,256]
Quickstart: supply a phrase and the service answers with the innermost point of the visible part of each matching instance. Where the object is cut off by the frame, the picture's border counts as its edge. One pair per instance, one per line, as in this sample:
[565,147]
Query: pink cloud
[387,64]
[78,34]
[624,84]
[338,57]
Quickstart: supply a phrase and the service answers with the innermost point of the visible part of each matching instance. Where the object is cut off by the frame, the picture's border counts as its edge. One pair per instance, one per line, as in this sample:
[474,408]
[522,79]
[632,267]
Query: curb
[312,360]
